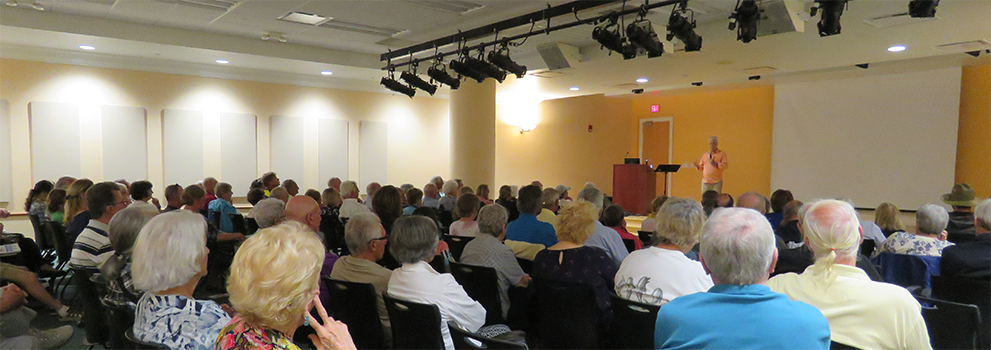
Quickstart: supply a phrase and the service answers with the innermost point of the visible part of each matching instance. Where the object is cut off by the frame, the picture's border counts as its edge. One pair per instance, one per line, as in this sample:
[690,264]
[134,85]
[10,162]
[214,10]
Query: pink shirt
[712,174]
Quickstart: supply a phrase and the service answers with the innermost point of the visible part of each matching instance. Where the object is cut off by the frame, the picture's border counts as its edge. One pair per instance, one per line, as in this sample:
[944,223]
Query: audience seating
[645,237]
[566,315]
[631,245]
[840,346]
[93,316]
[966,291]
[446,217]
[129,334]
[634,323]
[951,325]
[440,264]
[215,218]
[251,226]
[867,247]
[414,325]
[526,265]
[482,284]
[119,321]
[39,234]
[237,221]
[907,270]
[356,304]
[457,245]
[465,340]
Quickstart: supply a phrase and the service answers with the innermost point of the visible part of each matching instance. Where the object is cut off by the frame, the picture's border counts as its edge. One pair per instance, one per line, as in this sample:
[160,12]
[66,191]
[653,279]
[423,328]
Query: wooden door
[656,147]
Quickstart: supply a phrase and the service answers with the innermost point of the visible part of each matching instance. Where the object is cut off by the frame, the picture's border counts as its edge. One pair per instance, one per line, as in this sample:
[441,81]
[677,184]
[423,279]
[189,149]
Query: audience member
[737,248]
[28,281]
[351,205]
[709,201]
[861,313]
[431,197]
[549,199]
[194,200]
[224,194]
[971,259]
[255,195]
[330,220]
[483,193]
[315,195]
[752,200]
[306,211]
[142,194]
[210,186]
[170,257]
[650,223]
[450,199]
[467,209]
[279,193]
[335,183]
[268,212]
[778,200]
[414,243]
[437,181]
[173,197]
[35,204]
[961,225]
[330,200]
[366,239]
[527,228]
[886,217]
[388,206]
[370,191]
[55,205]
[603,237]
[291,186]
[488,250]
[570,260]
[788,230]
[538,184]
[272,306]
[257,184]
[92,246]
[406,187]
[929,238]
[125,190]
[562,191]
[508,201]
[871,230]
[725,200]
[15,321]
[414,199]
[269,182]
[463,190]
[658,274]
[64,182]
[76,208]
[613,217]
[116,272]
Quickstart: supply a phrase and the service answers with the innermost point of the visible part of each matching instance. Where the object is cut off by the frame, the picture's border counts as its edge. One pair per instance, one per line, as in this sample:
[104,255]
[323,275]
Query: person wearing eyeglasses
[366,239]
[92,247]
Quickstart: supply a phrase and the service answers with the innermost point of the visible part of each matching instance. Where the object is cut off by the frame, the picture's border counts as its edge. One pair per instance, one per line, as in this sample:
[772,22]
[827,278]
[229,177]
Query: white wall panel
[238,151]
[5,171]
[54,140]
[373,152]
[287,147]
[333,149]
[182,139]
[125,143]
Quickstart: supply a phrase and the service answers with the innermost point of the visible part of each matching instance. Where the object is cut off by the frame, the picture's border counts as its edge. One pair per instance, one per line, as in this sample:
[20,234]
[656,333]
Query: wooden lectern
[633,186]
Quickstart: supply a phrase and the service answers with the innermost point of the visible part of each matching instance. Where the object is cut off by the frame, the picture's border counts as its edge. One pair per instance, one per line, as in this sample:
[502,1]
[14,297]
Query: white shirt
[873,232]
[419,283]
[350,207]
[862,313]
[464,228]
[656,276]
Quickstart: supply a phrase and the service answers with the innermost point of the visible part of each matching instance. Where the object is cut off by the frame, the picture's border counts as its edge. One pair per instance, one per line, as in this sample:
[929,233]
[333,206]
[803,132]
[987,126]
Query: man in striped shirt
[92,247]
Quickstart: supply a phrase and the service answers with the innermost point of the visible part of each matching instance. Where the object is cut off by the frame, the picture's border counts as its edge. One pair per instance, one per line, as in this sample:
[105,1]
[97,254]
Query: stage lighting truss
[745,19]
[682,26]
[829,20]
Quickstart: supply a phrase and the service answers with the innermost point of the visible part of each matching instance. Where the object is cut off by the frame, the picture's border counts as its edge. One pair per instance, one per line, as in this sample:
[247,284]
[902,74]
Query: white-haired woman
[271,306]
[929,238]
[450,200]
[169,258]
[123,232]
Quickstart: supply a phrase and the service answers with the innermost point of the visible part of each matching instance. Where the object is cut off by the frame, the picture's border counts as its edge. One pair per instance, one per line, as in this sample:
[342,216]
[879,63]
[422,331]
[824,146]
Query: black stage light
[922,8]
[396,86]
[754,77]
[829,20]
[415,81]
[486,68]
[440,75]
[501,59]
[679,26]
[464,70]
[608,36]
[744,19]
[697,83]
[642,34]
[629,51]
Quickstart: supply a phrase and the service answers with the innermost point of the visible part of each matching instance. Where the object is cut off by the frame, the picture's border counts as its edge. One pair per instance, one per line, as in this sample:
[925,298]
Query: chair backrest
[251,226]
[440,264]
[467,340]
[129,334]
[446,218]
[867,247]
[93,317]
[39,233]
[120,319]
[951,325]
[840,346]
[482,284]
[414,325]
[631,245]
[907,270]
[457,245]
[566,316]
[60,239]
[634,323]
[526,265]
[964,291]
[645,236]
[215,218]
[237,221]
[356,304]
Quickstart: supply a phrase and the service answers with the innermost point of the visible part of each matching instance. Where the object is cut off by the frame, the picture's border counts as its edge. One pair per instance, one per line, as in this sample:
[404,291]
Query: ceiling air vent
[965,46]
[304,18]
[223,5]
[359,28]
[898,19]
[452,6]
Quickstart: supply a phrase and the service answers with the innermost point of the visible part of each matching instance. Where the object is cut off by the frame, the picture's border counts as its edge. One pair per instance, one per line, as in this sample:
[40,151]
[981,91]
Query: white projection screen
[883,138]
[125,143]
[182,136]
[333,148]
[54,140]
[373,142]
[238,151]
[5,172]
[287,147]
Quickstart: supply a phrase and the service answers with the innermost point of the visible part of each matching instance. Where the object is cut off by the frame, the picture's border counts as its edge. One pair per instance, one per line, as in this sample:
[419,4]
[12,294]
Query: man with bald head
[305,210]
[752,200]
[335,183]
[431,196]
[370,190]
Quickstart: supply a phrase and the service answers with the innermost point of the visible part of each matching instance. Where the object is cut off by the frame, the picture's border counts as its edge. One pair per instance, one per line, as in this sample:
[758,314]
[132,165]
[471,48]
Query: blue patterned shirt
[178,322]
[912,244]
[224,208]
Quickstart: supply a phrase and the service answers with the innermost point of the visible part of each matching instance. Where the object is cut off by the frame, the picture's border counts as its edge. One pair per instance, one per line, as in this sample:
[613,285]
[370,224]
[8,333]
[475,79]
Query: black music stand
[667,169]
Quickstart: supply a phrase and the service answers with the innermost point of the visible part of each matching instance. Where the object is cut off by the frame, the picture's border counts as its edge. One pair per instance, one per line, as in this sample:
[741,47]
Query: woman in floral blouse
[271,306]
[929,238]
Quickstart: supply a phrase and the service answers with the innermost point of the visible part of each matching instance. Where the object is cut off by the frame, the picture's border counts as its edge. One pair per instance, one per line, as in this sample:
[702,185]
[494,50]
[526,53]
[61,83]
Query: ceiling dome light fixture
[896,48]
[222,61]
[326,72]
[87,47]
[574,88]
[642,80]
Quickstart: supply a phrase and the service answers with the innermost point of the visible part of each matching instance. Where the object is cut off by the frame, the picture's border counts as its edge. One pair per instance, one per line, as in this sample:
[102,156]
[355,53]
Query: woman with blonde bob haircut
[271,306]
[886,217]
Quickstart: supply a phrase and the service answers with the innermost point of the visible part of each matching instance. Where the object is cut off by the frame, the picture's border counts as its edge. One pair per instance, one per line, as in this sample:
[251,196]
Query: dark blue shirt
[740,317]
[528,229]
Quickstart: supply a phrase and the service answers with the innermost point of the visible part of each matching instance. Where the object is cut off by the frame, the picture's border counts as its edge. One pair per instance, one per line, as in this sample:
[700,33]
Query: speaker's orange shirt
[713,174]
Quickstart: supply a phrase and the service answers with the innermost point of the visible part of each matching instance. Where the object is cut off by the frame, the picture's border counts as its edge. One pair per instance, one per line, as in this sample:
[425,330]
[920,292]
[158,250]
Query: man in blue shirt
[223,205]
[527,228]
[740,311]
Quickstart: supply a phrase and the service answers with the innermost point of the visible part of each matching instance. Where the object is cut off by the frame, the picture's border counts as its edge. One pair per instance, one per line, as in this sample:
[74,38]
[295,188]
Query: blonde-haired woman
[886,217]
[271,306]
[570,261]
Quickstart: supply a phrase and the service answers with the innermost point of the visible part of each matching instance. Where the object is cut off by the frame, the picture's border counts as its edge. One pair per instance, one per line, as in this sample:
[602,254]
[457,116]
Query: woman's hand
[331,334]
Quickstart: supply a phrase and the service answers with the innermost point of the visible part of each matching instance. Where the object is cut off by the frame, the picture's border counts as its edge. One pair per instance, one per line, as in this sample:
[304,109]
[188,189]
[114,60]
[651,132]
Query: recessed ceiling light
[573,88]
[896,48]
[326,72]
[223,61]
[642,80]
[87,47]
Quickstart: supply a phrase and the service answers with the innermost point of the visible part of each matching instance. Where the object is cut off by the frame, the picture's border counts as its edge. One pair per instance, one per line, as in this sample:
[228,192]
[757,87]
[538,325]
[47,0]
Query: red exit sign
[655,108]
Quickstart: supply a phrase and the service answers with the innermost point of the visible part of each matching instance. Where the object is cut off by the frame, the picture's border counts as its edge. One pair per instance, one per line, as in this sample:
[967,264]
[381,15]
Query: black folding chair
[465,340]
[457,245]
[951,325]
[567,316]
[526,265]
[645,237]
[93,317]
[867,247]
[964,291]
[414,325]
[482,284]
[634,322]
[215,218]
[840,346]
[440,264]
[251,226]
[39,234]
[120,319]
[237,222]
[356,304]
[630,245]
[129,334]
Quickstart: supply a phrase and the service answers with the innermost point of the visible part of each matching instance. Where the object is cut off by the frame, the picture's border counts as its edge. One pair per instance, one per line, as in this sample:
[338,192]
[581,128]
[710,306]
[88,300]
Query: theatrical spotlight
[683,28]
[608,35]
[396,86]
[415,81]
[744,19]
[486,68]
[642,34]
[439,74]
[922,8]
[464,70]
[832,10]
[501,59]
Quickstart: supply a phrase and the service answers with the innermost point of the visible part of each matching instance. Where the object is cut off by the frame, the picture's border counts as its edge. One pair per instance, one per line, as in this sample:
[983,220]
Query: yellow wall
[974,137]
